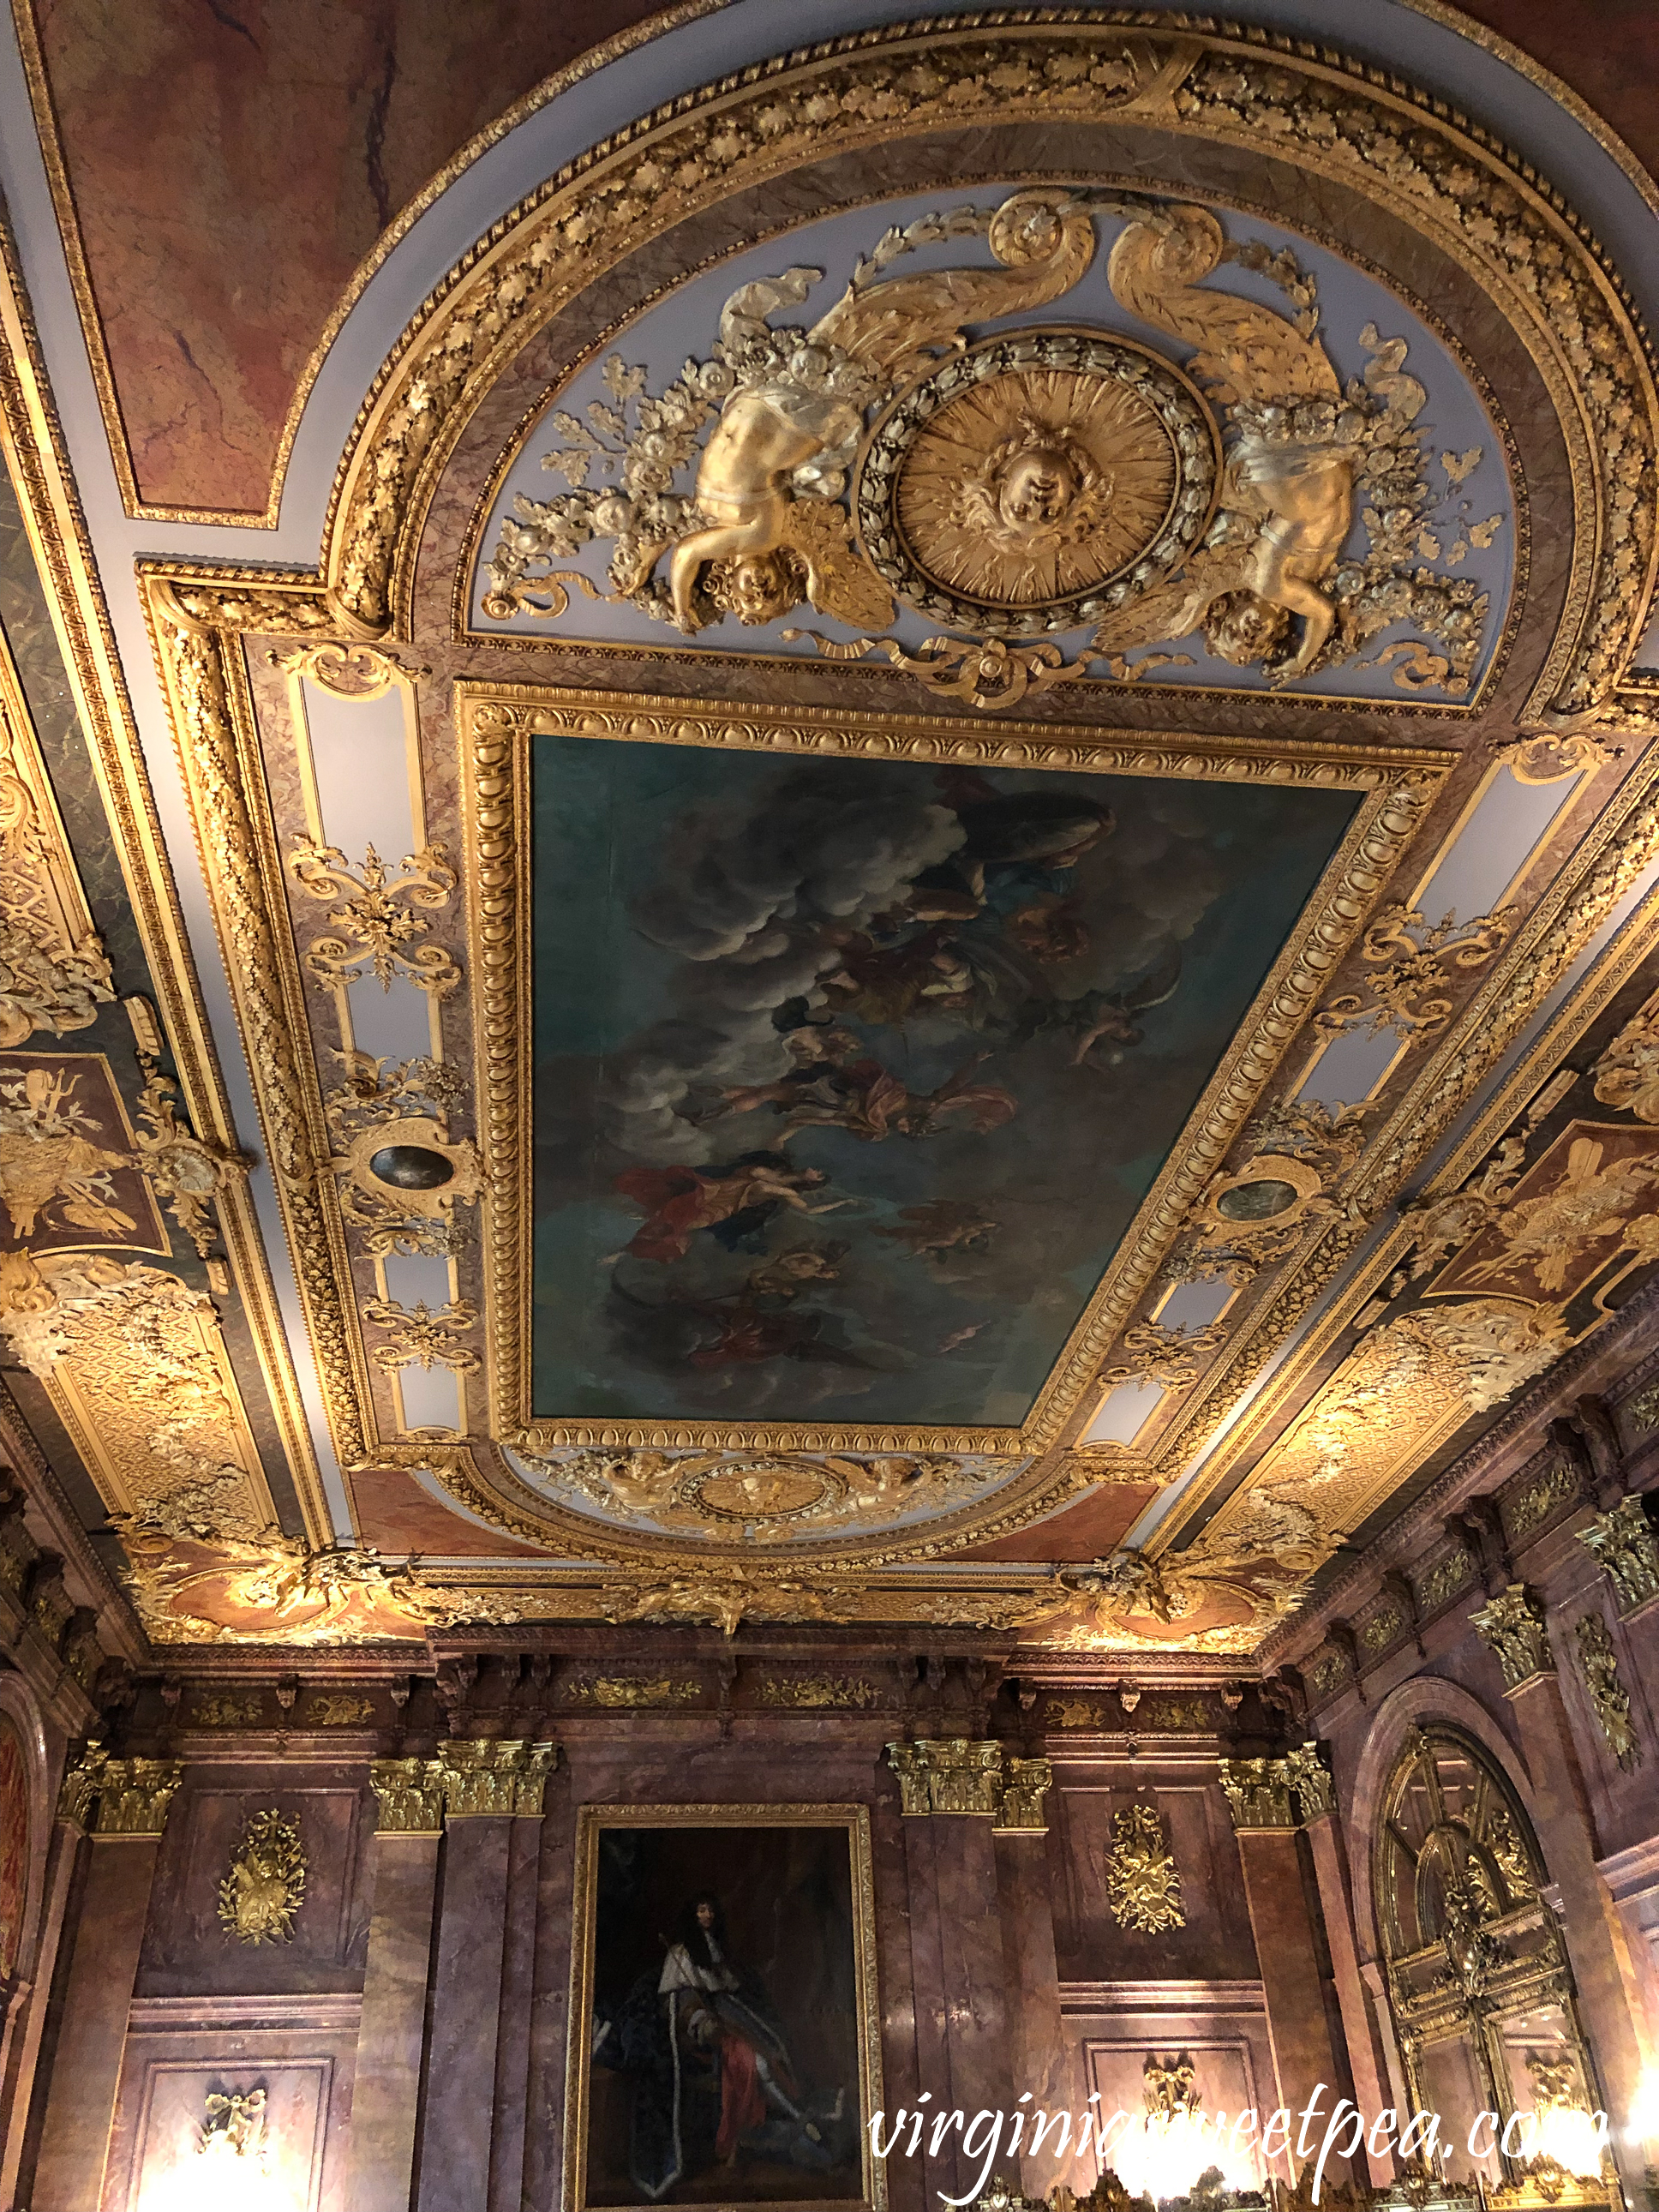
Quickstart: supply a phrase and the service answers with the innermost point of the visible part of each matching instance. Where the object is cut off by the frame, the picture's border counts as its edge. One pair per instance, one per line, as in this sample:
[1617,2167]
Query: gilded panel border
[34,450]
[1619,850]
[498,723]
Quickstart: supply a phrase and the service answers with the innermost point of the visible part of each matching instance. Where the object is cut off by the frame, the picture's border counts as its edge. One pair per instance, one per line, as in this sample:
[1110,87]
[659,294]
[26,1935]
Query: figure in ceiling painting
[904,453]
[839,1064]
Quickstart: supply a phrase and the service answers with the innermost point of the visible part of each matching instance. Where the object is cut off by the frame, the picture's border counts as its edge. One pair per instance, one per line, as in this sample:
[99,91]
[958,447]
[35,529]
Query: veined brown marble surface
[231,164]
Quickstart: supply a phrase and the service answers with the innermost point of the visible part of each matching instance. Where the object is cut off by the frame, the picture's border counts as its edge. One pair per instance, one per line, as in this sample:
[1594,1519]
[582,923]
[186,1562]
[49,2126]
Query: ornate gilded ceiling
[936,890]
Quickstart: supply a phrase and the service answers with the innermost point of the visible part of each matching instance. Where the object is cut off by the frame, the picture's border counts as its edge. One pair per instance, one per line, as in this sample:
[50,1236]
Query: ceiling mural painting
[1130,423]
[849,1078]
[939,906]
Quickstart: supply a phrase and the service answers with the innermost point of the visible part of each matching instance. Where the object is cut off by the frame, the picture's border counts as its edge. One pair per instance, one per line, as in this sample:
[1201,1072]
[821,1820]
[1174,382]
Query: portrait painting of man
[723,2015]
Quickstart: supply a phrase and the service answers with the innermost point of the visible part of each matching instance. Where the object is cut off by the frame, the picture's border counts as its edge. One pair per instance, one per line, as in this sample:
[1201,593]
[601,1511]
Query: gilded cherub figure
[1298,443]
[767,527]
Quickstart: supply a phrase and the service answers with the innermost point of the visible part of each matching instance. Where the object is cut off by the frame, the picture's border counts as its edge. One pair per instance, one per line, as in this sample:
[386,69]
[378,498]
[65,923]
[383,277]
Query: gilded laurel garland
[266,1884]
[1143,1883]
[1328,120]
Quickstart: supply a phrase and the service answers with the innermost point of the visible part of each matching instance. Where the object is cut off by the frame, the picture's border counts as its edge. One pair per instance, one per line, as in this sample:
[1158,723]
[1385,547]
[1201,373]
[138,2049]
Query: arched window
[1478,1977]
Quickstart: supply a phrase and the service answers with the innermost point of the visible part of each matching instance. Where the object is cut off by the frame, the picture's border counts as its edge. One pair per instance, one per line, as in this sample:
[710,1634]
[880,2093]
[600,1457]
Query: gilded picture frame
[500,726]
[614,1928]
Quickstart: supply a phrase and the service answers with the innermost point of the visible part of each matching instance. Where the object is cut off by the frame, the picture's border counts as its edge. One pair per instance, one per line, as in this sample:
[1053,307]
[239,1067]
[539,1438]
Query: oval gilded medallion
[1037,481]
[769,1490]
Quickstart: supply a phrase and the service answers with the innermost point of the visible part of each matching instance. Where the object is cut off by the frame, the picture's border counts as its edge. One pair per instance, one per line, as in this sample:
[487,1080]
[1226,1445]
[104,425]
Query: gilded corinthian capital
[409,1793]
[1258,1793]
[952,1774]
[1311,1780]
[134,1794]
[1622,1541]
[492,1775]
[1512,1627]
[1027,1782]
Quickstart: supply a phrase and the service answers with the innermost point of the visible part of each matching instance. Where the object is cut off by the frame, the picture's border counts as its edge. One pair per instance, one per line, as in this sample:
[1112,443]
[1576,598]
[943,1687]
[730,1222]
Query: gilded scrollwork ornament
[377,917]
[1415,967]
[1627,1076]
[415,1336]
[765,1497]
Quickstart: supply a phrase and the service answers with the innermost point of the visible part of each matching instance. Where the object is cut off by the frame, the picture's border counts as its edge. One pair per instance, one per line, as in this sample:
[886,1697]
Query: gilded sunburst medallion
[769,1490]
[1037,481]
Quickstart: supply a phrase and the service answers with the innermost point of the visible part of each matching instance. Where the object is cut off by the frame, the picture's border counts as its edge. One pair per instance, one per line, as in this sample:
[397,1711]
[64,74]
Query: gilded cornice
[35,452]
[1448,181]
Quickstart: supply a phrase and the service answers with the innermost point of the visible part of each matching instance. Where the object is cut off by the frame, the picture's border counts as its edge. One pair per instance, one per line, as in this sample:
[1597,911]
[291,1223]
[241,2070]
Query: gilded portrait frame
[854,1820]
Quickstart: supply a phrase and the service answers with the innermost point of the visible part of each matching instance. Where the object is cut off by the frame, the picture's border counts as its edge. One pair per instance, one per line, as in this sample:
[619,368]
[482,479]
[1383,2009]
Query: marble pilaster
[132,1796]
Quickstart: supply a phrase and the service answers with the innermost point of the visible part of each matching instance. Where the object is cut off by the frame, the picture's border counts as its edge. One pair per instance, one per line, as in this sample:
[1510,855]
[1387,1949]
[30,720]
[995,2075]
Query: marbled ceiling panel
[224,172]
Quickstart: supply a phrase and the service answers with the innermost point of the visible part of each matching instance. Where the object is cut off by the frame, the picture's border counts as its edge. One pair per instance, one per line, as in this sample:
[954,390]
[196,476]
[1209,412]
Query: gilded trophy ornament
[266,1884]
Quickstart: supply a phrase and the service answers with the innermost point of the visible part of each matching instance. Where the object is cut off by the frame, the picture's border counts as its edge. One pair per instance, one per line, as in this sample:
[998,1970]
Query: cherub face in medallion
[1035,487]
[1038,489]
